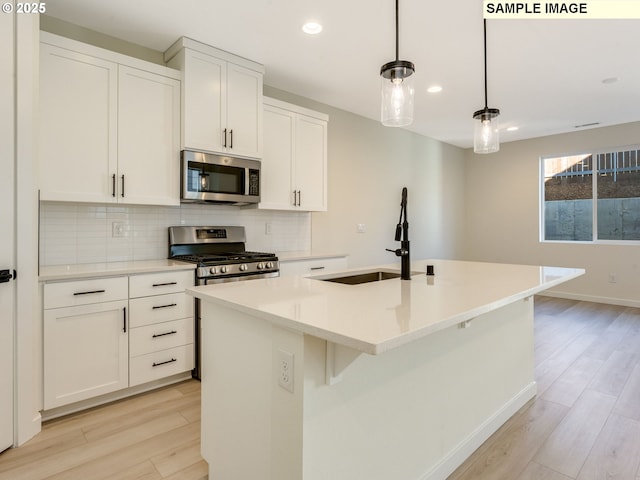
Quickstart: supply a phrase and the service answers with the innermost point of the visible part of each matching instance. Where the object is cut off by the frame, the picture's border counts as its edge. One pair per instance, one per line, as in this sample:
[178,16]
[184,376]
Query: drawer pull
[316,268]
[163,363]
[156,335]
[164,284]
[89,292]
[165,306]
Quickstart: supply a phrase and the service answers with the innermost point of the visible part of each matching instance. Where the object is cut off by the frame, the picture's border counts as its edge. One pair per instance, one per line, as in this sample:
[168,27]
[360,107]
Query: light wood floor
[149,437]
[584,423]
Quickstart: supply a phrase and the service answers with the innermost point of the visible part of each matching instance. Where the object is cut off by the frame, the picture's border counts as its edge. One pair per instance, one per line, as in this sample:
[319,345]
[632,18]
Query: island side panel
[418,411]
[251,427]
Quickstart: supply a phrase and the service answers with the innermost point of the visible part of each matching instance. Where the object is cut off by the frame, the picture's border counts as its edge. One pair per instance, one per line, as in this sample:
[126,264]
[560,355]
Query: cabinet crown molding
[104,54]
[186,42]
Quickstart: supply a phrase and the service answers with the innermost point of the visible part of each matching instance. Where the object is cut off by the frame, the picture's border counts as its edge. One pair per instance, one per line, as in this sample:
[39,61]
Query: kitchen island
[308,379]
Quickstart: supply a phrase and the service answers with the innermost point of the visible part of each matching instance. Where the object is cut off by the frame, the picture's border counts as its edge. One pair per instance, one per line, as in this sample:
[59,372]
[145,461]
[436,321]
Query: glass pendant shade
[486,136]
[397,93]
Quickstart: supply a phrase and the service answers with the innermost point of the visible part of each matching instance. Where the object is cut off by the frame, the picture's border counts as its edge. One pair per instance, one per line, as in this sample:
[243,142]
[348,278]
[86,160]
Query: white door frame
[7,220]
[28,313]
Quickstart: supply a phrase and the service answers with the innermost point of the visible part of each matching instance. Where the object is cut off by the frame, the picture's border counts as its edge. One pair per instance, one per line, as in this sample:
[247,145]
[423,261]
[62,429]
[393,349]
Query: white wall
[368,166]
[502,216]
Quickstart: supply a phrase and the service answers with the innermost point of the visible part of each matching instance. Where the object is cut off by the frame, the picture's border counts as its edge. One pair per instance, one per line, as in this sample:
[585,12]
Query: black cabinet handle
[163,363]
[124,319]
[122,186]
[164,306]
[90,292]
[172,332]
[299,197]
[317,268]
[164,284]
[113,185]
[225,138]
[231,138]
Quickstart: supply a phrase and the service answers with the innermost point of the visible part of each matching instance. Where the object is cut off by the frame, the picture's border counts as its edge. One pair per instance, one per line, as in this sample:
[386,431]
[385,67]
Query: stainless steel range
[220,256]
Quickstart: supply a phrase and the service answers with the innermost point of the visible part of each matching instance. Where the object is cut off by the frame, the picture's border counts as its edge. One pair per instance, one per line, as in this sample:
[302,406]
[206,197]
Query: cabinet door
[85,352]
[276,180]
[204,108]
[78,126]
[310,168]
[244,111]
[148,138]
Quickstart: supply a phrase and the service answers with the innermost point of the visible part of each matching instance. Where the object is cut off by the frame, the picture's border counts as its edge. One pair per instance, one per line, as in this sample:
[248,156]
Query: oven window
[202,177]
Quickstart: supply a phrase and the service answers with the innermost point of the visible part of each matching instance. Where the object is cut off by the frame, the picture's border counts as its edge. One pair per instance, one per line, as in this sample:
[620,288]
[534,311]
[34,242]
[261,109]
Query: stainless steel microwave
[207,177]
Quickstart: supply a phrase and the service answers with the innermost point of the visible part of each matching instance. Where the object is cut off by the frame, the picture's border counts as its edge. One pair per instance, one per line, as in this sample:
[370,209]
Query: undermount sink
[365,277]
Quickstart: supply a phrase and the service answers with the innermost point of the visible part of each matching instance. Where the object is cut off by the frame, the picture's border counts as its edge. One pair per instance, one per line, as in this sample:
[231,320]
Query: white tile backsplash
[83,233]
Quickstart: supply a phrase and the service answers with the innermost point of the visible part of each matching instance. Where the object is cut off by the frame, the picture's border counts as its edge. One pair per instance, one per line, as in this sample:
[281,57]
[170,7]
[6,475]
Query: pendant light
[486,138]
[397,90]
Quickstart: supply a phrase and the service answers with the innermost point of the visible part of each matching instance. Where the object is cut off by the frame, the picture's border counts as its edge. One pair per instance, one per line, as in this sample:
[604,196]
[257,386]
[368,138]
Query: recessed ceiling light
[312,28]
[512,129]
[434,89]
[610,80]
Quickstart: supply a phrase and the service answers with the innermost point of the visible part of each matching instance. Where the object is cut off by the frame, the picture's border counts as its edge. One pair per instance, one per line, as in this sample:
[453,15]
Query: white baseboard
[459,454]
[591,298]
[112,397]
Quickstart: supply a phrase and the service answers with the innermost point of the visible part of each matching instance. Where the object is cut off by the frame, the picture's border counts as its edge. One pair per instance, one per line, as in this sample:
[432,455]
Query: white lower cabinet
[317,266]
[85,345]
[162,326]
[107,334]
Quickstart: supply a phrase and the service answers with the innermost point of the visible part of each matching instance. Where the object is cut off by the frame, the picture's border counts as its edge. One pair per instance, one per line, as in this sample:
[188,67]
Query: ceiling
[545,76]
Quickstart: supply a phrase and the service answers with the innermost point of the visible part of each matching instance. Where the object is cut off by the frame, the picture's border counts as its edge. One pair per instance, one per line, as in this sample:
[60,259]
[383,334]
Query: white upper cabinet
[109,126]
[148,137]
[221,99]
[78,125]
[294,163]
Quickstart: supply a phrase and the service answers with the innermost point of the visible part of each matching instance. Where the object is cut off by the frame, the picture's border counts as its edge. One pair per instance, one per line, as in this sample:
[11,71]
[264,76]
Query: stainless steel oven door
[243,278]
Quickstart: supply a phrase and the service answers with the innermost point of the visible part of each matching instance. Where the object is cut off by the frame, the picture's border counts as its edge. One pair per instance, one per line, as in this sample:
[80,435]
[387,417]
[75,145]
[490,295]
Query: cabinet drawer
[160,283]
[161,336]
[84,292]
[312,267]
[146,368]
[160,308]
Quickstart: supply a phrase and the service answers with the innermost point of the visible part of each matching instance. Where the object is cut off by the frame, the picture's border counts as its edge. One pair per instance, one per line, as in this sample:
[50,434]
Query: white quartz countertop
[306,255]
[87,270]
[378,316]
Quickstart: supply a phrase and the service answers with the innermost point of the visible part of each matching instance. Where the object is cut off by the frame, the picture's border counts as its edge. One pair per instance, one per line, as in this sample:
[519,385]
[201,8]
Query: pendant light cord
[485,64]
[397,48]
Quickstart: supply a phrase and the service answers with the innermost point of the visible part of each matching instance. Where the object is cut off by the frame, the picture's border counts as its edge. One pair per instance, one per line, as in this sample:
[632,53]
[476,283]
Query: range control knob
[260,266]
[244,267]
[269,264]
[213,270]
[223,269]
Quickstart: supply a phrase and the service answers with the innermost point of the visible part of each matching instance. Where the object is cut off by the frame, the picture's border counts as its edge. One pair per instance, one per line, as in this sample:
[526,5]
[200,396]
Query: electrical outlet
[118,229]
[285,370]
[612,278]
[267,228]
[361,228]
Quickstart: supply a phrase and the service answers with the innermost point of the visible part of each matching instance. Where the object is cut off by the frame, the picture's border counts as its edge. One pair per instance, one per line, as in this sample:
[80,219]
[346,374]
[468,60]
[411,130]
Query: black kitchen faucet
[402,236]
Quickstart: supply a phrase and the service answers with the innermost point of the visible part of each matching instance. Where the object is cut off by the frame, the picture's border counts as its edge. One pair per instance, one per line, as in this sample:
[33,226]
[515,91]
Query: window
[591,197]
